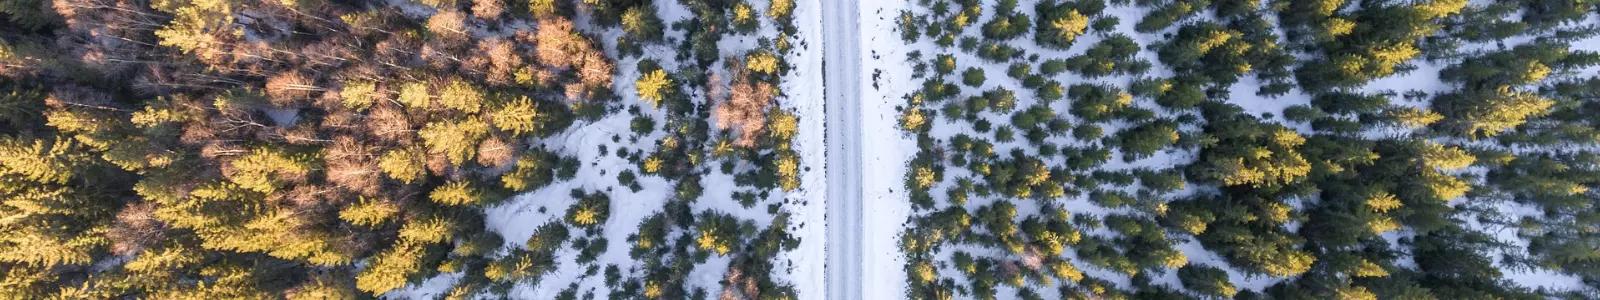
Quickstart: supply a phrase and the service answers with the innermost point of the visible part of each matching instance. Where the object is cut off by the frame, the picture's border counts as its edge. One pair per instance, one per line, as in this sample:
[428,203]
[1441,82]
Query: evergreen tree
[456,140]
[1206,280]
[1059,24]
[652,86]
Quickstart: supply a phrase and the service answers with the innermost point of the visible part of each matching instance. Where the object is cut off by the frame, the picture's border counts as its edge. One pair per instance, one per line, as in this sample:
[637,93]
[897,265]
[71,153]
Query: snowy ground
[804,87]
[885,150]
[851,207]
[515,219]
[887,73]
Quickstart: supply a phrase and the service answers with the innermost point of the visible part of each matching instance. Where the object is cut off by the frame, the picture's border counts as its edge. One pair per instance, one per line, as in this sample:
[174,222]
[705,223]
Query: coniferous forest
[1250,149]
[317,149]
[674,149]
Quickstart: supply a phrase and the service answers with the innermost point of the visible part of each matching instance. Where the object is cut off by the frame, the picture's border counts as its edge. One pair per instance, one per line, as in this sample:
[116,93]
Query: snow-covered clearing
[804,87]
[884,78]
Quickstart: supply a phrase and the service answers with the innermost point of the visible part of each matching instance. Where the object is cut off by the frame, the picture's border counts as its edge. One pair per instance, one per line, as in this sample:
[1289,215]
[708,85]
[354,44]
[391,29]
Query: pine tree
[1144,140]
[403,164]
[369,212]
[461,96]
[1059,25]
[415,95]
[20,107]
[590,211]
[1206,280]
[199,27]
[653,86]
[457,140]
[548,237]
[1251,153]
[762,62]
[55,200]
[788,168]
[542,9]
[913,120]
[744,17]
[1444,158]
[780,10]
[519,117]
[456,193]
[716,233]
[39,160]
[533,170]
[1488,114]
[641,23]
[48,226]
[393,268]
[427,230]
[784,125]
[1413,117]
[324,287]
[282,234]
[266,170]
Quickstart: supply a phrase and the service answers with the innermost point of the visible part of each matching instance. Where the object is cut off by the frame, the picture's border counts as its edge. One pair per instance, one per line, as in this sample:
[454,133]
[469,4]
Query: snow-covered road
[842,82]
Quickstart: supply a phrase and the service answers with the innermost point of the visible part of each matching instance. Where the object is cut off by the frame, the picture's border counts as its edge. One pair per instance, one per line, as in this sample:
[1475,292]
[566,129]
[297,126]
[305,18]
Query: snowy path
[842,72]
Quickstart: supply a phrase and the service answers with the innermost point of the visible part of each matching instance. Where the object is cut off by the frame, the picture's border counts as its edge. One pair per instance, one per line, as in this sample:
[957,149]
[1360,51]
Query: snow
[885,153]
[428,289]
[885,163]
[282,117]
[1511,211]
[515,219]
[412,8]
[803,89]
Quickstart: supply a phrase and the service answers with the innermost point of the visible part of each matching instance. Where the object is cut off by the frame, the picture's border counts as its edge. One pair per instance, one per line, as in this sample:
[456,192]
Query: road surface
[841,39]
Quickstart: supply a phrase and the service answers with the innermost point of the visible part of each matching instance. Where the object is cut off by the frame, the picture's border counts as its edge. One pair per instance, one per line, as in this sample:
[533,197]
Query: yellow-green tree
[415,95]
[457,193]
[462,96]
[403,164]
[457,140]
[279,233]
[1264,157]
[199,27]
[652,86]
[358,95]
[393,268]
[519,117]
[783,126]
[591,210]
[762,62]
[1059,25]
[267,169]
[1486,114]
[369,212]
[48,222]
[788,167]
[780,10]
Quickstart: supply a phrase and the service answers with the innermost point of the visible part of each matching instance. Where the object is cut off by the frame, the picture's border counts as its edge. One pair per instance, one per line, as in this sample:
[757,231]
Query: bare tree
[135,228]
[746,110]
